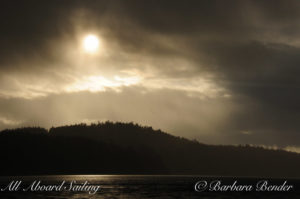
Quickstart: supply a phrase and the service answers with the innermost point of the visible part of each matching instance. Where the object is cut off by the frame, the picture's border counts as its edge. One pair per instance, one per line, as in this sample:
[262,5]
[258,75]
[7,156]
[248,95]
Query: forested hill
[127,148]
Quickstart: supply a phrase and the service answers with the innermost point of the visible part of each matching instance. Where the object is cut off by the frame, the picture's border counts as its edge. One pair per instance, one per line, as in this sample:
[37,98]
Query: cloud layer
[220,72]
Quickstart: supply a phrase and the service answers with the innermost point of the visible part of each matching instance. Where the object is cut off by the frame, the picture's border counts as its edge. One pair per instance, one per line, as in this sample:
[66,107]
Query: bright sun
[91,43]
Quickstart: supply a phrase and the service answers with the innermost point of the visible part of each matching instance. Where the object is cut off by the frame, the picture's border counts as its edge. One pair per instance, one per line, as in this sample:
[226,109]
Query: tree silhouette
[127,148]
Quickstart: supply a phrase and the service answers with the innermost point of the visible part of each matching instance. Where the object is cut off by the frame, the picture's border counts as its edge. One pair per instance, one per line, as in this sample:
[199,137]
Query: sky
[220,72]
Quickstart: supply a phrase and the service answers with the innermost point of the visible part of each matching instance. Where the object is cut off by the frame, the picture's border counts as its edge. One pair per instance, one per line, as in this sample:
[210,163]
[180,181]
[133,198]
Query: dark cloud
[27,27]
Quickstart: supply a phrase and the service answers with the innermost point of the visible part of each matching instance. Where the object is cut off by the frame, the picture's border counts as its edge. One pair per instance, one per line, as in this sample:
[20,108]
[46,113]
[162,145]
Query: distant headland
[128,148]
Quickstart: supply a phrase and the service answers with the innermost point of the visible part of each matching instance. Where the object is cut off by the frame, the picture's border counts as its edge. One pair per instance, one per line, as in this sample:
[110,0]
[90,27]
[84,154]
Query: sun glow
[100,83]
[91,43]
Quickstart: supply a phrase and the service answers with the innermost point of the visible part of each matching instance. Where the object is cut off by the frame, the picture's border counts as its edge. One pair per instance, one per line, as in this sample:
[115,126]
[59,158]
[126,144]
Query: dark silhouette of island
[127,148]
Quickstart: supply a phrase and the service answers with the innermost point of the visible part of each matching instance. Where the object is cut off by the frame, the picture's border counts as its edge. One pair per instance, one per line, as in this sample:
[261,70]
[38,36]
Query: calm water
[141,187]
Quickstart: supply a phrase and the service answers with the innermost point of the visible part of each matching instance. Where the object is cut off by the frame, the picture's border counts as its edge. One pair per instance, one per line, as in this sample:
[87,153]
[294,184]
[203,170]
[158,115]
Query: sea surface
[140,187]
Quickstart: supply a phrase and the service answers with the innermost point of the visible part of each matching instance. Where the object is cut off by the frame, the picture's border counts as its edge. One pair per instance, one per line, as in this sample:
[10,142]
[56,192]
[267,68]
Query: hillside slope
[127,148]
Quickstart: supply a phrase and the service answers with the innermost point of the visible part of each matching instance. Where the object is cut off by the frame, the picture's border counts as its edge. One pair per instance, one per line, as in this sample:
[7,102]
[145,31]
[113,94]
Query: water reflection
[132,187]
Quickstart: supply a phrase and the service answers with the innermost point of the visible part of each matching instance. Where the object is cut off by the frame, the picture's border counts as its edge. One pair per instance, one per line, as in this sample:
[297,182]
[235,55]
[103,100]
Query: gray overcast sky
[222,72]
